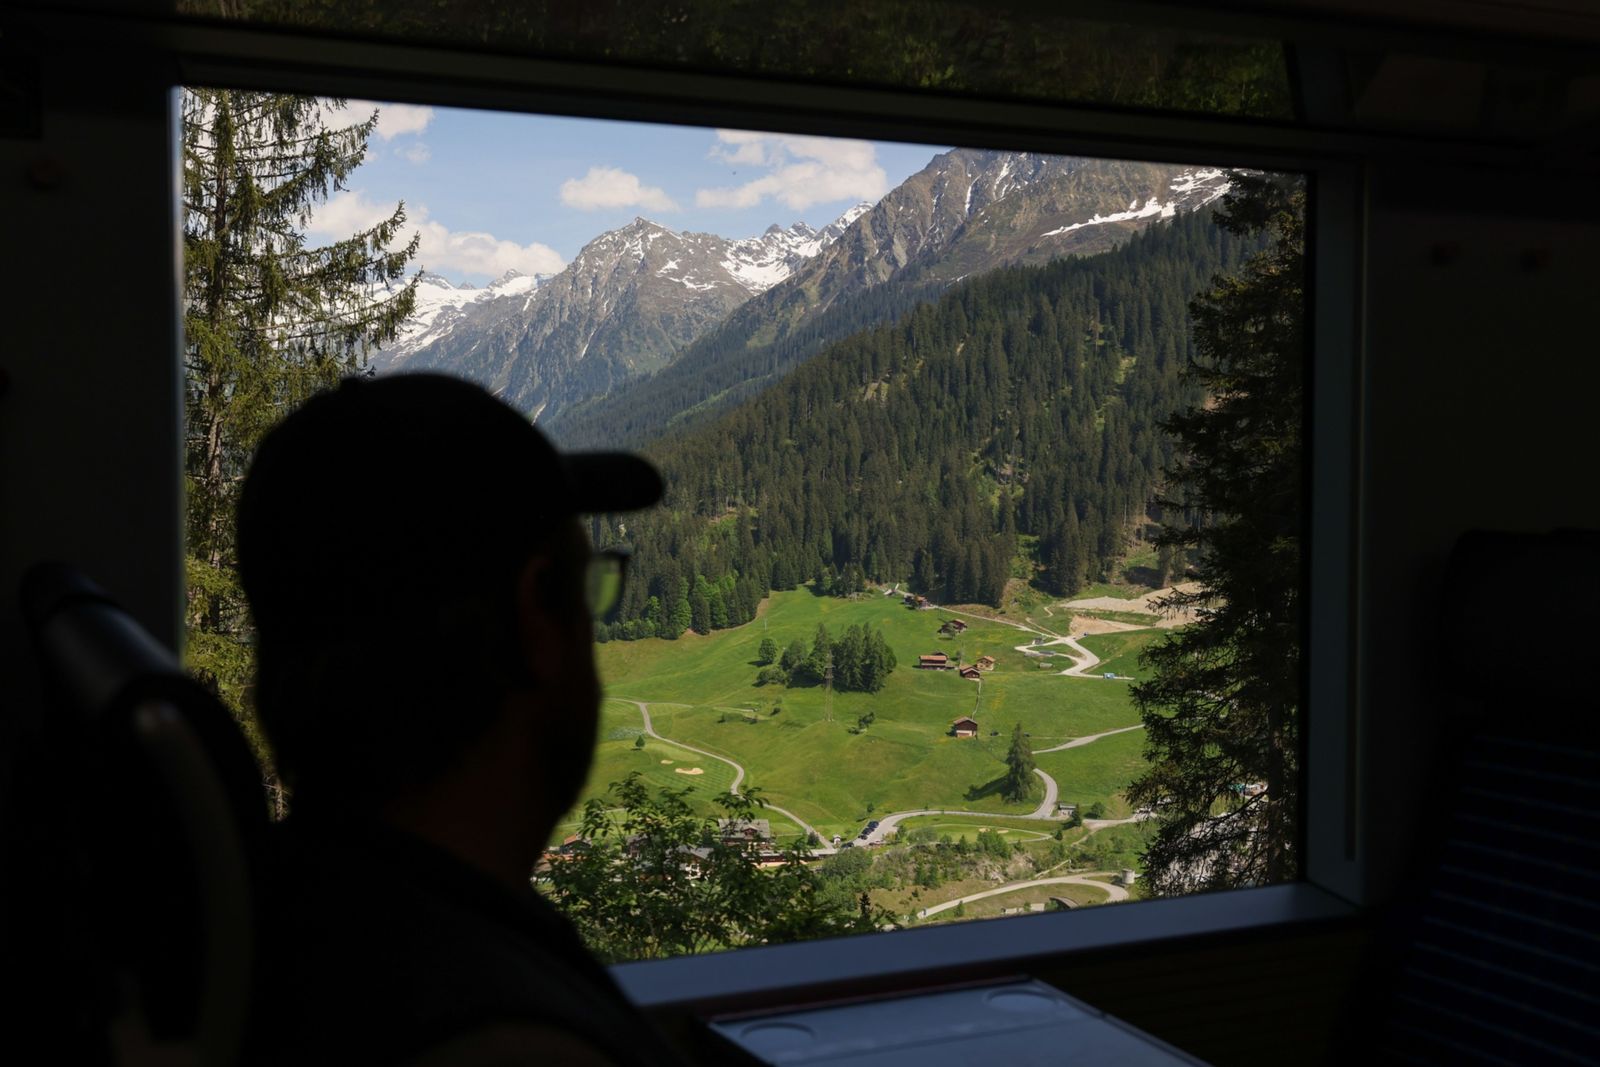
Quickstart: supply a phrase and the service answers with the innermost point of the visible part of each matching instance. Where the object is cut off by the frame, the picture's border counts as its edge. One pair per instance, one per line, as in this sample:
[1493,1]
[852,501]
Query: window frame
[1334,877]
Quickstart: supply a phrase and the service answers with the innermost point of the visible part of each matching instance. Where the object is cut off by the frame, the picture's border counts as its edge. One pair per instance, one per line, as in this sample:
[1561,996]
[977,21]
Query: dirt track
[1146,604]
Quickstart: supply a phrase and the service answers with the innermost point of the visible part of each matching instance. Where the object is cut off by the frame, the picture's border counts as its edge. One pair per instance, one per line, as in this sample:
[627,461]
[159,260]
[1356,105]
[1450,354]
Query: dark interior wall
[89,425]
[1483,381]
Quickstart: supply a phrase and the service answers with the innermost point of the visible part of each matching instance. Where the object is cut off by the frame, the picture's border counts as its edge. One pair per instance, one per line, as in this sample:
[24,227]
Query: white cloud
[446,251]
[416,152]
[801,170]
[393,119]
[609,187]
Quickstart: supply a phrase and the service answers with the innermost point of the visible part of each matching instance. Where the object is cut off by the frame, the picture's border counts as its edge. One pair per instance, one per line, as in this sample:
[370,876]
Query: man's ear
[542,638]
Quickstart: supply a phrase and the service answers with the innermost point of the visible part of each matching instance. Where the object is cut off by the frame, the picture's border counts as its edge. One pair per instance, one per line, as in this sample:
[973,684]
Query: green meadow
[1119,652]
[1097,773]
[701,691]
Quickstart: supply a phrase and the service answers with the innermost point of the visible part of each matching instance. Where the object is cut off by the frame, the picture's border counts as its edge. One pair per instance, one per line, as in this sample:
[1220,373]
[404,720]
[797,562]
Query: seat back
[1492,955]
[159,812]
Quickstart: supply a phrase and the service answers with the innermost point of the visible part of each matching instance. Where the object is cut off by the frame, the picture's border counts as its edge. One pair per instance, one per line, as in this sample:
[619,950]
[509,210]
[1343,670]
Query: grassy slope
[1119,652]
[818,768]
[1097,772]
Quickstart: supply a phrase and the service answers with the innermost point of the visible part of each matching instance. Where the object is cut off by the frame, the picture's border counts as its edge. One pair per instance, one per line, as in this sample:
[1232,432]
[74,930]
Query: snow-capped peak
[835,229]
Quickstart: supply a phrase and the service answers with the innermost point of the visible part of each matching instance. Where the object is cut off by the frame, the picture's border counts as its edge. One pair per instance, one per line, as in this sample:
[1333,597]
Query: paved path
[1113,892]
[1047,806]
[738,771]
[1078,742]
[1045,812]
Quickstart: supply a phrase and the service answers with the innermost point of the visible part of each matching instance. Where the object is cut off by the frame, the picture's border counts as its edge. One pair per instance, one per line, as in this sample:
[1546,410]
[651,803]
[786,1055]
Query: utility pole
[827,689]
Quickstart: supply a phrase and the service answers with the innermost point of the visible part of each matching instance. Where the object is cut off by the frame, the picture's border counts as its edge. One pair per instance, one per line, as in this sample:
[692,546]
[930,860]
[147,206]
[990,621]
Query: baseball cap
[384,490]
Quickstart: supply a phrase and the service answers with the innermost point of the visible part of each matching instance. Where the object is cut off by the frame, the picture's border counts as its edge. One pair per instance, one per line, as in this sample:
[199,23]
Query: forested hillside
[966,213]
[1012,426]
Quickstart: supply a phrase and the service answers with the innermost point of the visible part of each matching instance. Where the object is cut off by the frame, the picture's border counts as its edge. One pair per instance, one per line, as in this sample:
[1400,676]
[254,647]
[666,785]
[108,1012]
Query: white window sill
[769,972]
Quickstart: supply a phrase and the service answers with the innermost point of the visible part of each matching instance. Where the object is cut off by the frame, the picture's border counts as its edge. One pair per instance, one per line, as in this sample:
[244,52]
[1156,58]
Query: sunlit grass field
[826,770]
[1119,652]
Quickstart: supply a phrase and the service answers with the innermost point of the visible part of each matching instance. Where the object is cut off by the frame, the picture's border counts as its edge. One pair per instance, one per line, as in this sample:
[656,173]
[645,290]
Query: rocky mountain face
[628,301]
[967,212]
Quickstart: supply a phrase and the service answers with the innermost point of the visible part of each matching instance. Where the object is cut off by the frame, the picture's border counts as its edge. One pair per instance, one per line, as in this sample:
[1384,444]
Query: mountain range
[649,329]
[629,299]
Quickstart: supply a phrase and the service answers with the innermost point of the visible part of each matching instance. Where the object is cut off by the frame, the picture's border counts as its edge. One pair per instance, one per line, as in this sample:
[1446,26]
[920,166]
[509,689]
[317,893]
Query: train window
[978,586]
[953,47]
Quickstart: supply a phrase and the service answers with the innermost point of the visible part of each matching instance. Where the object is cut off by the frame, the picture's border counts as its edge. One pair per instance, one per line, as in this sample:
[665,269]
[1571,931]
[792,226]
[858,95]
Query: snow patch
[1197,179]
[1153,208]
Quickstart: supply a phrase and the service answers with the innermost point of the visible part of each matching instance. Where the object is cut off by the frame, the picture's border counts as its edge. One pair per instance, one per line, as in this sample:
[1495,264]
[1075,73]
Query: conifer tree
[268,320]
[1019,767]
[1221,711]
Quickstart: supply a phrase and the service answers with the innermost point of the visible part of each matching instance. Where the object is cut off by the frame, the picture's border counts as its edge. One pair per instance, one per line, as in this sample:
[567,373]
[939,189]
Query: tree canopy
[1019,779]
[268,320]
[689,888]
[1221,711]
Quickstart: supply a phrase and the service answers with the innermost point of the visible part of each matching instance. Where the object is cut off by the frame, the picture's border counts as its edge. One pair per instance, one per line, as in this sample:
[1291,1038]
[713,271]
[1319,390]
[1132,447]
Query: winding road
[1114,892]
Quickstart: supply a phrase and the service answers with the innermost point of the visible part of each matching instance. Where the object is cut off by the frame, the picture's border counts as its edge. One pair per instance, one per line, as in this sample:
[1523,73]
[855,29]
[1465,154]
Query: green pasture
[658,765]
[957,825]
[616,757]
[1119,652]
[1117,847]
[702,691]
[1097,772]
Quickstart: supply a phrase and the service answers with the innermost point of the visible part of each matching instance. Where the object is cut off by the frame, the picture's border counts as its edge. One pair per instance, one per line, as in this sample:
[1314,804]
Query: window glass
[976,589]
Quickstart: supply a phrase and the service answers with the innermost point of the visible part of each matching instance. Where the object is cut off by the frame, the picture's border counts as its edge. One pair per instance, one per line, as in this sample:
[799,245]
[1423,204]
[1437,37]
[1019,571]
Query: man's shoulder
[376,946]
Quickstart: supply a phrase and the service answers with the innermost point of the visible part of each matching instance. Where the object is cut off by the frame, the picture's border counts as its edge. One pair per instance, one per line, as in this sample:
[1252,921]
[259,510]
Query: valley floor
[689,713]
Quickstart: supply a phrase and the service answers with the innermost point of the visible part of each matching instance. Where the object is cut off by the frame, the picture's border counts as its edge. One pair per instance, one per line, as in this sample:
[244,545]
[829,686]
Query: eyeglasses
[603,580]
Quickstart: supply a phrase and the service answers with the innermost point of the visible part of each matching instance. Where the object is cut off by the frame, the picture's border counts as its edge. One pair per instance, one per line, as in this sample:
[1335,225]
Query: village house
[953,626]
[747,832]
[933,661]
[966,726]
[970,673]
[570,847]
[986,663]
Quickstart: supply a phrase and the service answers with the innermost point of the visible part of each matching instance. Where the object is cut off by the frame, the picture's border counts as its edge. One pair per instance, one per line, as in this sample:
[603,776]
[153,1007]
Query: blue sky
[491,191]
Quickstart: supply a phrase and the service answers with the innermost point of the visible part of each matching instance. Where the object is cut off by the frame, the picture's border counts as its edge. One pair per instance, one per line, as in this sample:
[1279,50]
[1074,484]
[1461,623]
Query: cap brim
[611,481]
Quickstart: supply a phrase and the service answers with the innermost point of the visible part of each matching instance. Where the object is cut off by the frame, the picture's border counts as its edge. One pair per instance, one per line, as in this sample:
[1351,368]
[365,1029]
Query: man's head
[410,552]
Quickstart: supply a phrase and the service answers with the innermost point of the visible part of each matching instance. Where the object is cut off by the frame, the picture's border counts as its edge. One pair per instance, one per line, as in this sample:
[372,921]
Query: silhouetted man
[423,597]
